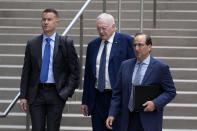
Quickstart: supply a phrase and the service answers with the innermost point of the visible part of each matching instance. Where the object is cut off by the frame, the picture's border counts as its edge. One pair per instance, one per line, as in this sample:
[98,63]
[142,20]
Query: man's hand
[109,122]
[149,106]
[23,105]
[84,109]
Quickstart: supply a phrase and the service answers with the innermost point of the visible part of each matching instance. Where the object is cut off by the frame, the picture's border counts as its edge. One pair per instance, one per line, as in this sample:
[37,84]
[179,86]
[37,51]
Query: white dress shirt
[109,46]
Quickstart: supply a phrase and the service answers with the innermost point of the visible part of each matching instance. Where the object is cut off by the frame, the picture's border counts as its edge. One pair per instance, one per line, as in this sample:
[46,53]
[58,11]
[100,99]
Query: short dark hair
[148,38]
[51,10]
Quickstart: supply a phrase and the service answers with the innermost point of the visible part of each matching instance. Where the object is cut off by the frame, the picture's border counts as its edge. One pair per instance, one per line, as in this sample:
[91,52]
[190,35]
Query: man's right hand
[109,122]
[84,109]
[23,105]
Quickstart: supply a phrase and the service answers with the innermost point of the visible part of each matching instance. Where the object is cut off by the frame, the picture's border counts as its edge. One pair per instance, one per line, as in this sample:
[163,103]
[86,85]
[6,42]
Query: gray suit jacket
[65,68]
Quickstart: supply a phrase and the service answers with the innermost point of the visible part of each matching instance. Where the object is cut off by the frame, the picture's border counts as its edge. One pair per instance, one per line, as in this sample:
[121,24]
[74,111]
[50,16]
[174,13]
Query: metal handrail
[119,14]
[154,13]
[76,17]
[8,109]
[141,15]
[79,14]
[104,6]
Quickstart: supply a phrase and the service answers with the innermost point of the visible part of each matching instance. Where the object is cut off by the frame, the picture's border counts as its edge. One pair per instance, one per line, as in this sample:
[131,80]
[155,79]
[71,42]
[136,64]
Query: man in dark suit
[98,85]
[50,74]
[152,72]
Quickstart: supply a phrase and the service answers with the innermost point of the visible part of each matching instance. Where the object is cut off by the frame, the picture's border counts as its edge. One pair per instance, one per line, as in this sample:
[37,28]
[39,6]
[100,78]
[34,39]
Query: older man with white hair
[103,59]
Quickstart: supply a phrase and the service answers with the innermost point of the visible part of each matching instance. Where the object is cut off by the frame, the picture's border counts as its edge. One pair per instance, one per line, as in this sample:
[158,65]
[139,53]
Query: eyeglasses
[139,45]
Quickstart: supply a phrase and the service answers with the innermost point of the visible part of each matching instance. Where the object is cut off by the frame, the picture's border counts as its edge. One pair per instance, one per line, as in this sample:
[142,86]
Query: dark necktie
[136,81]
[45,62]
[101,77]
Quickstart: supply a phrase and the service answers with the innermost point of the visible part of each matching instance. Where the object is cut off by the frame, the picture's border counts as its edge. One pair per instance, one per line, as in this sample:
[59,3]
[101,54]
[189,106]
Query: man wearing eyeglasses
[145,70]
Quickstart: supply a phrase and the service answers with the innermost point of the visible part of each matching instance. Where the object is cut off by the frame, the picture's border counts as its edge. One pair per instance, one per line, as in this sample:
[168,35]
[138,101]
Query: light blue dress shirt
[143,68]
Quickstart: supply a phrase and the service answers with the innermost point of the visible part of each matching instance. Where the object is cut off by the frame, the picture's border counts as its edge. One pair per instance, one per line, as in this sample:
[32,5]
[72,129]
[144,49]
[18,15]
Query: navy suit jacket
[122,49]
[157,74]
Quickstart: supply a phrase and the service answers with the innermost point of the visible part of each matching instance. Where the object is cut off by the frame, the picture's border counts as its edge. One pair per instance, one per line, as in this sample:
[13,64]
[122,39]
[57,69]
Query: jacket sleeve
[169,90]
[25,73]
[74,68]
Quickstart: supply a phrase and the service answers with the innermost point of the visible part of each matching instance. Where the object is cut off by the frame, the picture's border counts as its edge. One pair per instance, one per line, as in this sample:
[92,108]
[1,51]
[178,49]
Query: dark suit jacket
[157,74]
[65,68]
[121,50]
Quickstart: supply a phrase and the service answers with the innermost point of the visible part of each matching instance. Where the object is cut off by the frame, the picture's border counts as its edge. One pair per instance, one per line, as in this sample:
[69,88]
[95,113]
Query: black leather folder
[144,93]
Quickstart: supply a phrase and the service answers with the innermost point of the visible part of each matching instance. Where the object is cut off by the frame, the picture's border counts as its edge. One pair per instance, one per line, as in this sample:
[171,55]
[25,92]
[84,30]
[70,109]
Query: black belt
[47,85]
[105,91]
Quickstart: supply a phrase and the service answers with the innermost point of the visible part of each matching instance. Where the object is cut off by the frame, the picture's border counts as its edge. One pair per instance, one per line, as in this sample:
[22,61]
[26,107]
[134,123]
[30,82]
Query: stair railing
[141,14]
[119,14]
[11,105]
[154,13]
[79,14]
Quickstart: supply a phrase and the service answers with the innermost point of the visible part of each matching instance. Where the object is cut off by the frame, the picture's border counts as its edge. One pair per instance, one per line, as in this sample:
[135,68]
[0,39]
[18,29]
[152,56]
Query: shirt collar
[146,61]
[110,40]
[52,36]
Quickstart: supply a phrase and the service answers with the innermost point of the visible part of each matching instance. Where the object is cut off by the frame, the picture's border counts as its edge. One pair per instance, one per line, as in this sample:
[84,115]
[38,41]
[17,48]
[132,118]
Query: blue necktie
[136,81]
[101,77]
[45,62]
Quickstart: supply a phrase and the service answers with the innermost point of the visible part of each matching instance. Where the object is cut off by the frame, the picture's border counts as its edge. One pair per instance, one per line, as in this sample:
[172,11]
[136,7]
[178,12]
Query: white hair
[106,16]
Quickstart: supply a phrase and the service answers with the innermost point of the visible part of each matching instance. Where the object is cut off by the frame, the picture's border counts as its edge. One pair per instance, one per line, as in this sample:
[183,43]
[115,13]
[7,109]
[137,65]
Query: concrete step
[14,61]
[93,31]
[180,111]
[68,119]
[134,5]
[177,73]
[180,84]
[185,73]
[74,107]
[88,14]
[90,23]
[184,125]
[185,85]
[174,52]
[181,97]
[10,71]
[185,98]
[157,40]
[13,82]
[164,51]
[8,94]
[179,62]
[79,120]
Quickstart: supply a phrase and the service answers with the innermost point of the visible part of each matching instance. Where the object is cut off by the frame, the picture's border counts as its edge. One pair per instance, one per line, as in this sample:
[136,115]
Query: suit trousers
[100,112]
[135,122]
[46,110]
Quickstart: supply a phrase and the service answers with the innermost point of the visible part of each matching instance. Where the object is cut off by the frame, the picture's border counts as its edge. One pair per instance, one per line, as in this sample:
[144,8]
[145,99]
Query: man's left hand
[149,106]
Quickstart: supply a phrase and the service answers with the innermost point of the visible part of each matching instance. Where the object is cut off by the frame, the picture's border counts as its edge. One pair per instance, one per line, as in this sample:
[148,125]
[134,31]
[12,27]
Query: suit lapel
[115,44]
[57,42]
[95,53]
[39,42]
[149,70]
[129,76]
